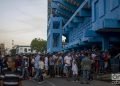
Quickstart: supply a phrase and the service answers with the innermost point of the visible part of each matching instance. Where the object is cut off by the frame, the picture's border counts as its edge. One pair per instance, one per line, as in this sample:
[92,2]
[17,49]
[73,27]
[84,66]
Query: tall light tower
[12,44]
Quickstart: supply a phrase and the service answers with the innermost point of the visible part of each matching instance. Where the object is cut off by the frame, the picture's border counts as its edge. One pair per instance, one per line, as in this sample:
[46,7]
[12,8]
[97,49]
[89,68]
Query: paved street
[63,82]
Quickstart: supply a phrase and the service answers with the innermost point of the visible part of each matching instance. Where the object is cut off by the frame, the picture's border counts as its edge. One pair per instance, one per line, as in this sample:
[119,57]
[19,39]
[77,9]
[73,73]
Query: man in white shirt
[36,66]
[41,69]
[68,61]
[46,65]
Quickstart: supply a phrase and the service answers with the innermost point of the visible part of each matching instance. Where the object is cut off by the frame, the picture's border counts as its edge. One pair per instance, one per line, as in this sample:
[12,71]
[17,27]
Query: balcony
[110,25]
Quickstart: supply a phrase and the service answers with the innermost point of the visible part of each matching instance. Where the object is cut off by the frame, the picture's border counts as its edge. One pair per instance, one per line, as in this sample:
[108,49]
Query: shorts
[75,72]
[67,69]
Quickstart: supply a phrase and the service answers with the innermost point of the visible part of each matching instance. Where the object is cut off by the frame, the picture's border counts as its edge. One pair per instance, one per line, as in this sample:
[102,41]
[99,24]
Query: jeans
[68,71]
[25,73]
[85,76]
[75,77]
[37,72]
[52,73]
[61,69]
[101,66]
[40,76]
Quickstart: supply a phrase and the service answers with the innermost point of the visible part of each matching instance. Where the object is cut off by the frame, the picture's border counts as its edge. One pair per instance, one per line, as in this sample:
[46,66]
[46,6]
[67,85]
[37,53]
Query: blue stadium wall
[93,22]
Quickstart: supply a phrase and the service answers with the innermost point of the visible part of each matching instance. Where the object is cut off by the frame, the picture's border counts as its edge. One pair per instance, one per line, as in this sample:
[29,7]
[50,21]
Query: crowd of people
[76,65]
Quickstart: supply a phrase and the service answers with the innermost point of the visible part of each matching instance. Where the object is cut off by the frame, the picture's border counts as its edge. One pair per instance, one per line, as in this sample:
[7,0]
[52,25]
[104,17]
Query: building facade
[84,24]
[23,50]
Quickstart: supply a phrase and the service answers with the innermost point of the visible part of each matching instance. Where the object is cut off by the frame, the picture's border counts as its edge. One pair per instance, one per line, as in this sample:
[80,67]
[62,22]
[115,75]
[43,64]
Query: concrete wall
[103,10]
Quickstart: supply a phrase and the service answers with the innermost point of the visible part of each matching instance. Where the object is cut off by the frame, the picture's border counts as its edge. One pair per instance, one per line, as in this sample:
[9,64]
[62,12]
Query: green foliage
[39,45]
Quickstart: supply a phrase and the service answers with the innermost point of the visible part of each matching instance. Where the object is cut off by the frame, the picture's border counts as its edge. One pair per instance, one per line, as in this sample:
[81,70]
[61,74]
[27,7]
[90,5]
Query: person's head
[11,62]
[68,54]
[86,54]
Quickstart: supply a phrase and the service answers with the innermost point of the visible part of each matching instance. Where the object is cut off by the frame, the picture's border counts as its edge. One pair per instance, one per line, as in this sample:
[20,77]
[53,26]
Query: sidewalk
[64,82]
[104,77]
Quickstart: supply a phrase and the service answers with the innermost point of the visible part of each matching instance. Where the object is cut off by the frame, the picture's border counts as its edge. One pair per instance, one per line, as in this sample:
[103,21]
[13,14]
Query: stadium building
[83,24]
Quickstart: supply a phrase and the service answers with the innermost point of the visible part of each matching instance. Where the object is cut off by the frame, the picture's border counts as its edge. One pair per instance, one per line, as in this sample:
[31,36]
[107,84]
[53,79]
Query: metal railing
[117,56]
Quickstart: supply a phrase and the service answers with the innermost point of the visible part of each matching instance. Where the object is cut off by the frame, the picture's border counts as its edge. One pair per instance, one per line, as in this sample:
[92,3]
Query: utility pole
[12,44]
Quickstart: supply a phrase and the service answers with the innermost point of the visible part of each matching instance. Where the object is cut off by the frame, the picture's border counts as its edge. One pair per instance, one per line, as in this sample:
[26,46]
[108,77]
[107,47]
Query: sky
[22,21]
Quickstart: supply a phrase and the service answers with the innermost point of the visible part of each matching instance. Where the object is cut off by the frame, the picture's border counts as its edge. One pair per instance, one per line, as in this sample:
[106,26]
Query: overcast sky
[22,20]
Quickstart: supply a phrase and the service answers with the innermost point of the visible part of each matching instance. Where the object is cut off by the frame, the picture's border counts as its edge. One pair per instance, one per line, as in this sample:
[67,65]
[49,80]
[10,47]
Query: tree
[39,45]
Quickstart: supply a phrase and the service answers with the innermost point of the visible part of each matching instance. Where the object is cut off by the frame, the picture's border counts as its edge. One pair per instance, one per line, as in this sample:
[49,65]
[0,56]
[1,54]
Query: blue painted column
[105,43]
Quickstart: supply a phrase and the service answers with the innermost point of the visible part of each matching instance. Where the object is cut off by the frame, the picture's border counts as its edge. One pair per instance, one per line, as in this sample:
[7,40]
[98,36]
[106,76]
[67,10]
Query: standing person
[86,67]
[30,66]
[25,65]
[4,61]
[32,63]
[18,61]
[56,63]
[46,65]
[93,57]
[41,67]
[68,61]
[58,66]
[61,65]
[74,70]
[51,67]
[36,65]
[106,57]
[81,58]
[101,61]
[11,76]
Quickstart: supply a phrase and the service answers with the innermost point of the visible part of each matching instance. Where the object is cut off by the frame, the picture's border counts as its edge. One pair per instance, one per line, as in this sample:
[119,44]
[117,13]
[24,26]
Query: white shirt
[32,61]
[93,56]
[46,61]
[55,57]
[67,60]
[41,65]
[74,68]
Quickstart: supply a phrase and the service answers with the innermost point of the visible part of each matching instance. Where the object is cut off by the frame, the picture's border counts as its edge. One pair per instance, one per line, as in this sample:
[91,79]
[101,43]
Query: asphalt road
[64,82]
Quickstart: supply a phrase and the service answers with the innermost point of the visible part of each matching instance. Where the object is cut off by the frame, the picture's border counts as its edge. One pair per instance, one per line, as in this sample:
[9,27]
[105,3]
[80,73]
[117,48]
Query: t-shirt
[86,63]
[11,78]
[67,60]
[46,61]
[26,64]
[51,61]
[93,56]
[32,61]
[60,60]
[36,62]
[41,65]
[74,66]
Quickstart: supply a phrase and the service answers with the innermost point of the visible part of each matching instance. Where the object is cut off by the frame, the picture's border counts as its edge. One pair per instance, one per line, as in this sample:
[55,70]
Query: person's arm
[1,83]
